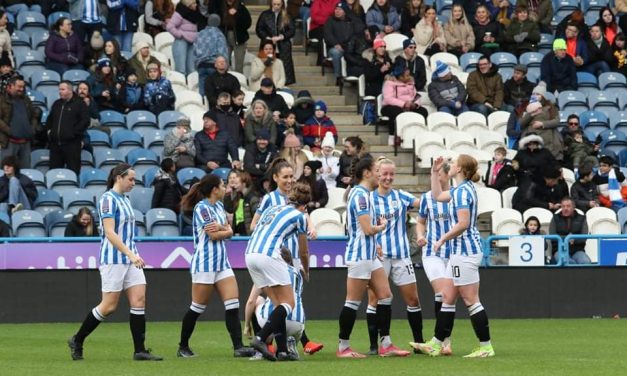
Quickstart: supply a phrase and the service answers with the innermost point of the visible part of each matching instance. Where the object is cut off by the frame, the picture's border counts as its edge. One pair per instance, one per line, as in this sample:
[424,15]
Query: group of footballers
[278,261]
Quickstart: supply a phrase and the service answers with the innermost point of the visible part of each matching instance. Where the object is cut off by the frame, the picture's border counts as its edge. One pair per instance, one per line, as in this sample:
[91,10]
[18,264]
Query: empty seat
[137,119]
[28,21]
[40,159]
[167,119]
[506,221]
[471,121]
[504,59]
[45,81]
[497,121]
[618,120]
[586,81]
[109,158]
[187,97]
[327,222]
[47,201]
[28,224]
[140,223]
[189,174]
[441,122]
[489,140]
[468,61]
[601,100]
[622,219]
[87,159]
[565,7]
[546,43]
[141,198]
[77,198]
[613,140]
[76,75]
[394,43]
[489,199]
[601,221]
[572,101]
[408,126]
[93,176]
[20,38]
[507,196]
[429,145]
[126,140]
[222,172]
[153,139]
[461,142]
[594,121]
[531,59]
[336,199]
[162,222]
[113,120]
[445,57]
[35,175]
[163,40]
[142,160]
[38,98]
[612,82]
[30,62]
[149,176]
[56,222]
[61,180]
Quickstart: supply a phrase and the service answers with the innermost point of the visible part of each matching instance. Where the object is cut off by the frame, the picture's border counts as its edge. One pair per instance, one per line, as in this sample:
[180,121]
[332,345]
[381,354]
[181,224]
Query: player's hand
[212,227]
[383,222]
[379,251]
[137,261]
[248,329]
[312,234]
[437,165]
[437,245]
[422,241]
[305,273]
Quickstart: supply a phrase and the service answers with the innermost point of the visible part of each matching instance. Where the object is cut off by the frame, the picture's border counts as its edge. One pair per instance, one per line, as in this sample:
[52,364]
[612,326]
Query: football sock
[414,317]
[444,322]
[384,316]
[256,327]
[273,323]
[91,322]
[189,322]
[438,303]
[280,334]
[137,322]
[479,319]
[304,339]
[233,325]
[371,320]
[347,318]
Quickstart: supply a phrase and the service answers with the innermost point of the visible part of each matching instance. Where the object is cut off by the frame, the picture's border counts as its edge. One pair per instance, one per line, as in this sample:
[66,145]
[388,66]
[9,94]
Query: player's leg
[201,293]
[371,320]
[356,285]
[469,292]
[404,277]
[381,287]
[440,285]
[135,286]
[282,297]
[226,286]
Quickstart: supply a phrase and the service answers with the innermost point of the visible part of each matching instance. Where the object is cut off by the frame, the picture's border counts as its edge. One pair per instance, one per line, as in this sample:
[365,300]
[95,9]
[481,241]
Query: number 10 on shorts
[526,251]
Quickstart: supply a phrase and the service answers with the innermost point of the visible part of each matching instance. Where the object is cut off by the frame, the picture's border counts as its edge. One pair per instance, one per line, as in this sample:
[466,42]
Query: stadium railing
[492,245]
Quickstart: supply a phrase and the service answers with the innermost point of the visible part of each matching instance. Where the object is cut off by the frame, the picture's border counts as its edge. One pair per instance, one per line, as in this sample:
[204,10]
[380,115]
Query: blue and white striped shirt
[275,225]
[393,207]
[91,12]
[465,197]
[438,223]
[360,246]
[116,206]
[298,313]
[209,255]
[276,198]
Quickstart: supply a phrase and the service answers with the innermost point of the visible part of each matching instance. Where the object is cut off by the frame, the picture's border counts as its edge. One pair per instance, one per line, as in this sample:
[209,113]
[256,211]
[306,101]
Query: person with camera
[266,65]
[179,144]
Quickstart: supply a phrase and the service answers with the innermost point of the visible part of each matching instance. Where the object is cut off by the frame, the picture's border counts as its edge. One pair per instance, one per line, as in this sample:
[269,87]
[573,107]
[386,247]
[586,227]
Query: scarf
[191,16]
[614,190]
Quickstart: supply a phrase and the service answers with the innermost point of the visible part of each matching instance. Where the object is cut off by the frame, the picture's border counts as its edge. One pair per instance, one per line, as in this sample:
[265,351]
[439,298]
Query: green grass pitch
[523,347]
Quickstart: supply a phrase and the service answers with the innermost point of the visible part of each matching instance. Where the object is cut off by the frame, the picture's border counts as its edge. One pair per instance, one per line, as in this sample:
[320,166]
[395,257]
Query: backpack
[368,113]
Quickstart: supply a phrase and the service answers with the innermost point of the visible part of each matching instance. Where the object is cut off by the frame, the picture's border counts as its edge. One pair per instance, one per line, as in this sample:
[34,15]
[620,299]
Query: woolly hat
[540,88]
[291,141]
[533,107]
[408,42]
[441,69]
[521,68]
[314,165]
[263,134]
[96,41]
[559,44]
[267,82]
[532,137]
[320,105]
[211,115]
[342,5]
[398,68]
[104,62]
[153,66]
[328,140]
[213,20]
[379,42]
[141,44]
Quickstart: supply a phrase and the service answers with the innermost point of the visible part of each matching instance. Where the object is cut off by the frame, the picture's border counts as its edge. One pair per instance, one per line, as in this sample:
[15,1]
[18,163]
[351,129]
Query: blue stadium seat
[78,198]
[622,219]
[28,224]
[30,62]
[622,158]
[140,223]
[162,222]
[590,18]
[87,159]
[565,7]
[586,82]
[37,98]
[167,119]
[98,139]
[28,21]
[153,139]
[442,4]
[613,140]
[533,75]
[47,201]
[113,120]
[222,172]
[506,73]
[149,176]
[141,198]
[546,43]
[622,101]
[593,6]
[141,119]
[56,222]
[618,120]
[612,81]
[601,100]
[594,121]
[46,82]
[93,176]
[20,38]
[40,160]
[75,75]
[108,158]
[572,101]
[39,39]
[531,59]
[468,61]
[53,17]
[126,140]
[61,180]
[504,59]
[35,175]
[186,175]
[51,97]
[142,160]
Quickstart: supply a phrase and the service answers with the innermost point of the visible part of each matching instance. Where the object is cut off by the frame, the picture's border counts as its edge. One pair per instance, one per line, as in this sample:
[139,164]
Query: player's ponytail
[469,167]
[300,194]
[121,170]
[358,166]
[199,190]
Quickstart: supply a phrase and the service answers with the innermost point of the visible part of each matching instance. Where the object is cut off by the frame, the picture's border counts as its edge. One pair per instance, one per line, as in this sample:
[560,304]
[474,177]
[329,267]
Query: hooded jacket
[376,18]
[443,93]
[530,164]
[549,133]
[317,128]
[417,69]
[485,87]
[458,34]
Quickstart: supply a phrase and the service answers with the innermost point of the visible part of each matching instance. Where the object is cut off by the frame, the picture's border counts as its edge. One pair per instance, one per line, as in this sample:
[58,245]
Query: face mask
[225,107]
[534,98]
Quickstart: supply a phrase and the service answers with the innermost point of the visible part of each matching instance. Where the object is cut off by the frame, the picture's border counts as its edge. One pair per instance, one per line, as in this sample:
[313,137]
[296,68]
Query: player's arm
[366,225]
[225,232]
[303,254]
[109,230]
[249,310]
[253,223]
[436,187]
[463,222]
[311,230]
[421,229]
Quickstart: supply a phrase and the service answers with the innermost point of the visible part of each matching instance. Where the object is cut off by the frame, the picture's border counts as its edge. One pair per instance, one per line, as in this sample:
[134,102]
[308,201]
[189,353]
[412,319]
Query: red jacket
[317,128]
[321,10]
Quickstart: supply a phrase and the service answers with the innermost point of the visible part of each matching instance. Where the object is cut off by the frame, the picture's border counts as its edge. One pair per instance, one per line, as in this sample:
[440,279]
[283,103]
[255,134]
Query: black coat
[417,69]
[67,120]
[256,162]
[131,16]
[242,24]
[75,230]
[515,92]
[217,150]
[531,165]
[267,28]
[575,225]
[218,83]
[168,193]
[583,193]
[274,101]
[374,76]
[533,195]
[506,177]
[408,22]
[230,122]
[27,185]
[603,53]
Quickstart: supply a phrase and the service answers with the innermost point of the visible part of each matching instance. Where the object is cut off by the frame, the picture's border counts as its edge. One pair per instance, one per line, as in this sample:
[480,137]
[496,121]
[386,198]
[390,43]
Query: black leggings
[393,111]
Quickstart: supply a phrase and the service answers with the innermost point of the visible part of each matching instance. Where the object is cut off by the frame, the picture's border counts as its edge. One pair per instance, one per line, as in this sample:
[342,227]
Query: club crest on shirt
[105,206]
[362,202]
[395,204]
[205,215]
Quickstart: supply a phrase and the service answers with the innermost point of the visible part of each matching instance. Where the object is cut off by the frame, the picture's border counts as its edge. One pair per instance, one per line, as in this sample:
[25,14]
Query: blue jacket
[210,43]
[374,17]
[158,95]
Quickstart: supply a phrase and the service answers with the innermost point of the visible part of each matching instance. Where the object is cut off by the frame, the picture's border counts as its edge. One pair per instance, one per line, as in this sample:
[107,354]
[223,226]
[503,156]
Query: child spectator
[319,193]
[158,94]
[303,106]
[330,163]
[168,191]
[584,191]
[601,179]
[131,94]
[317,126]
[501,174]
[534,227]
[289,123]
[238,104]
[579,150]
[82,224]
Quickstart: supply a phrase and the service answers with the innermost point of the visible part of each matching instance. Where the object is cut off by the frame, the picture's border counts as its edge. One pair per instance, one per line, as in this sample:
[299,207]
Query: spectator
[240,202]
[266,65]
[168,190]
[19,121]
[518,88]
[84,93]
[86,17]
[229,120]
[411,13]
[513,131]
[356,11]
[184,25]
[531,158]
[500,174]
[64,49]
[608,25]
[353,147]
[131,93]
[446,91]
[414,63]
[319,193]
[118,62]
[259,118]
[17,191]
[534,227]
[213,146]
[485,88]
[522,35]
[67,121]
[321,12]
[122,21]
[339,32]
[601,179]
[102,85]
[178,145]
[577,17]
[317,126]
[400,95]
[158,14]
[94,50]
[546,193]
[382,19]
[540,11]
[576,46]
[619,54]
[620,7]
[429,34]
[584,191]
[378,65]
[487,32]
[458,33]
[330,163]
[288,125]
[275,102]
[237,104]
[220,81]
[599,52]
[558,69]
[293,153]
[303,106]
[158,94]
[82,225]
[6,72]
[580,150]
[501,11]
[569,222]
[542,118]
[140,61]
[258,156]
[236,21]
[5,37]
[276,25]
